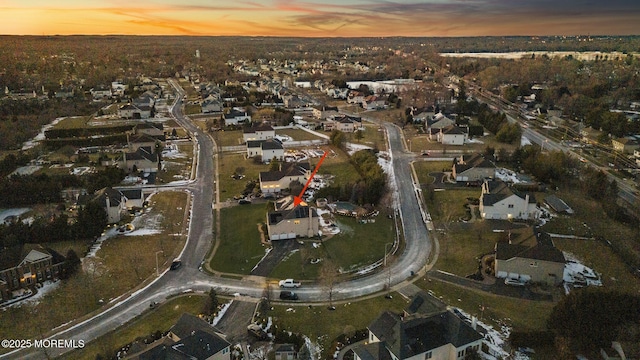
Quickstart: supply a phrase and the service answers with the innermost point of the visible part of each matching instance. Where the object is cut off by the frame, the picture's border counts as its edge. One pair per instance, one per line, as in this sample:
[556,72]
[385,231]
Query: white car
[288,283]
[514,282]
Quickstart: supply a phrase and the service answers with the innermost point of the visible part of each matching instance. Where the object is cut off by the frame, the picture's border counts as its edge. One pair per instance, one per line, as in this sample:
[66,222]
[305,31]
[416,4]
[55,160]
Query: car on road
[175,265]
[288,295]
[288,283]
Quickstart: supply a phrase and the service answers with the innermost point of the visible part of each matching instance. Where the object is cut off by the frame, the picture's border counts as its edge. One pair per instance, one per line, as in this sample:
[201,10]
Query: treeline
[12,161]
[494,121]
[91,221]
[368,190]
[20,120]
[26,190]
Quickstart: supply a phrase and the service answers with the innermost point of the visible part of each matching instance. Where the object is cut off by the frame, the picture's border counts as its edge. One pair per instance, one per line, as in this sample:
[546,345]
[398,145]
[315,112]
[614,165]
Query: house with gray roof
[112,200]
[258,132]
[288,221]
[540,263]
[276,181]
[501,201]
[144,159]
[473,167]
[452,135]
[439,335]
[191,338]
[24,266]
[266,149]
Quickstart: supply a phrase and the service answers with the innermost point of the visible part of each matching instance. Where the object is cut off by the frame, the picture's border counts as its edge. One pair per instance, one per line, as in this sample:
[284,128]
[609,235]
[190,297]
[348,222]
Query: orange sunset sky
[346,18]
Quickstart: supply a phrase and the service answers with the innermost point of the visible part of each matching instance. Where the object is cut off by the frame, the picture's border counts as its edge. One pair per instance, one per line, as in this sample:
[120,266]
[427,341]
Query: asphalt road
[188,278]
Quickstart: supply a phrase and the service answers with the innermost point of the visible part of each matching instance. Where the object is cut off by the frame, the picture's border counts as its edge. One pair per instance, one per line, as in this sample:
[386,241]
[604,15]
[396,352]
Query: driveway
[280,249]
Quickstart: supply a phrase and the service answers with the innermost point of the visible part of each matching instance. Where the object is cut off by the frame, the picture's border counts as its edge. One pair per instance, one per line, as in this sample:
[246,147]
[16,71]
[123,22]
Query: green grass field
[229,164]
[424,168]
[297,134]
[240,248]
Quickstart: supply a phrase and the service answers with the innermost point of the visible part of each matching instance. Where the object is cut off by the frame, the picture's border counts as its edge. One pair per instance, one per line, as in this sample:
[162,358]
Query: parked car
[175,265]
[289,283]
[244,201]
[288,295]
[514,282]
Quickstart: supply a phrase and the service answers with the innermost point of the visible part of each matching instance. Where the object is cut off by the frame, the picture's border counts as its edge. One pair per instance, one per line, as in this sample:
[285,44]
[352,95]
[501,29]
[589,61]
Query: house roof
[499,190]
[141,138]
[255,129]
[374,351]
[544,249]
[271,144]
[557,204]
[284,348]
[287,169]
[452,130]
[129,107]
[414,335]
[132,194]
[423,303]
[298,212]
[466,162]
[15,255]
[201,344]
[143,153]
[235,113]
[188,323]
[101,196]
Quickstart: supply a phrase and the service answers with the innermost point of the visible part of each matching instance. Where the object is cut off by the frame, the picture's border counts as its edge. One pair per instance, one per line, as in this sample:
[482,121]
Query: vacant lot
[424,168]
[323,326]
[123,263]
[227,137]
[240,248]
[236,163]
[297,134]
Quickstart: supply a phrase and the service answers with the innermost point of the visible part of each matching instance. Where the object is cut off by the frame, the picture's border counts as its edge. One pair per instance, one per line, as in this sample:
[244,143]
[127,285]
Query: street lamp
[157,266]
[385,253]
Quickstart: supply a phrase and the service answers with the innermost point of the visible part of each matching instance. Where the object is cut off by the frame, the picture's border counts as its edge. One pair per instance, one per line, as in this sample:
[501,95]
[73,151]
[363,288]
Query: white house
[112,200]
[266,149]
[235,117]
[500,201]
[130,111]
[452,135]
[211,104]
[355,97]
[260,132]
[374,102]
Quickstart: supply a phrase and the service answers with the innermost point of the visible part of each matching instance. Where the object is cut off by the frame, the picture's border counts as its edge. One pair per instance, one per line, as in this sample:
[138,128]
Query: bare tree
[328,276]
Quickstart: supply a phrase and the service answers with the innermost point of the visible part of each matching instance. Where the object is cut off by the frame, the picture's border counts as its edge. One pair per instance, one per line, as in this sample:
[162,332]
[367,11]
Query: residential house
[235,117]
[625,145]
[472,168]
[24,266]
[436,124]
[112,200]
[276,181]
[355,97]
[500,201]
[144,159]
[288,221]
[64,93]
[441,335]
[145,100]
[540,263]
[211,104]
[323,112]
[423,115]
[344,123]
[130,111]
[266,149]
[136,141]
[374,102]
[190,338]
[134,197]
[101,93]
[452,135]
[285,352]
[259,132]
[118,89]
[558,205]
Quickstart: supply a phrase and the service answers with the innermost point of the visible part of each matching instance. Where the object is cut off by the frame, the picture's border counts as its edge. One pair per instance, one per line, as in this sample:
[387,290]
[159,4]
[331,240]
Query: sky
[320,18]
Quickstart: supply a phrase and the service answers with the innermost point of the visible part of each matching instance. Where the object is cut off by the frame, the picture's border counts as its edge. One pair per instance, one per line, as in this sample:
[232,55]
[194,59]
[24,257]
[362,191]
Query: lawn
[73,122]
[229,164]
[356,245]
[121,264]
[160,319]
[240,248]
[323,326]
[178,168]
[448,205]
[228,137]
[515,312]
[370,137]
[424,168]
[191,109]
[298,135]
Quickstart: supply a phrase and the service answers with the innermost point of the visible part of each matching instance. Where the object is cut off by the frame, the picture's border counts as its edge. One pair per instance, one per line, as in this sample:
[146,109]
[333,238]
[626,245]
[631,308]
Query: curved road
[189,278]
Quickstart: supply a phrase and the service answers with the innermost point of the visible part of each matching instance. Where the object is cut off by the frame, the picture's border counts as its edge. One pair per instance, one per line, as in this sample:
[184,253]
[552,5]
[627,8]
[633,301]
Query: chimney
[474,322]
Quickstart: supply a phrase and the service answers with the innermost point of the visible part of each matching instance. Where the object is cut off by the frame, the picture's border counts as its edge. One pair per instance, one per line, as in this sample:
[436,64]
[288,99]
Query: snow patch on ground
[354,148]
[577,275]
[221,313]
[171,151]
[507,176]
[525,141]
[146,225]
[5,213]
[33,142]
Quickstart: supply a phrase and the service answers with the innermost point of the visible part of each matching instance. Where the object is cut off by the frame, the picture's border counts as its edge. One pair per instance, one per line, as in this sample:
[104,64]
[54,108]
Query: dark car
[175,265]
[244,201]
[288,295]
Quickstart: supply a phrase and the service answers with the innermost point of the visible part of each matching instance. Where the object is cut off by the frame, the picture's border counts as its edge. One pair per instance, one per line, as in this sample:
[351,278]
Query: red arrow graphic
[298,199]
